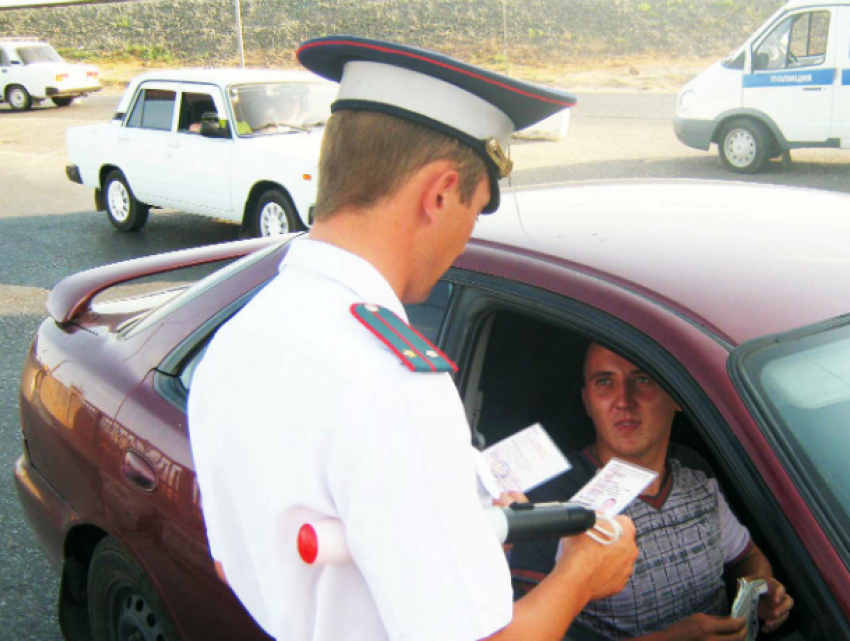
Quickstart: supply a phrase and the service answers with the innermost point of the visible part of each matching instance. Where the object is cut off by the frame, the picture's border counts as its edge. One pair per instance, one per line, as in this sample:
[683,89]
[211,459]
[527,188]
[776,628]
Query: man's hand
[703,627]
[775,606]
[605,569]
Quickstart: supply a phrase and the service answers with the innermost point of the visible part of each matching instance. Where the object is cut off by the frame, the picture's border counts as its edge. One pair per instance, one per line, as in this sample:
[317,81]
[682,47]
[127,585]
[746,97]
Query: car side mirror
[211,126]
[762,61]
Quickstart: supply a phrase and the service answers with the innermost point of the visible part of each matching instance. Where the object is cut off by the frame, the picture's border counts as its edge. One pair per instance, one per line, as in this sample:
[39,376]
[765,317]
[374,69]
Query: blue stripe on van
[845,77]
[791,78]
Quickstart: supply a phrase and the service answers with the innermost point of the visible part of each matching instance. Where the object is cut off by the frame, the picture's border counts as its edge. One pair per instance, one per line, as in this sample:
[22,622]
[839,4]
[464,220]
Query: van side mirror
[761,61]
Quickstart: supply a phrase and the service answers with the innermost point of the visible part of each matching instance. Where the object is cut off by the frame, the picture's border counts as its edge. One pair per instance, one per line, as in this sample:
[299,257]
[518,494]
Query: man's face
[449,239]
[631,413]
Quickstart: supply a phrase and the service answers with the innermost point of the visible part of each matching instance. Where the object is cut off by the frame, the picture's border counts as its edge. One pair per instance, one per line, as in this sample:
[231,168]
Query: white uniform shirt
[298,410]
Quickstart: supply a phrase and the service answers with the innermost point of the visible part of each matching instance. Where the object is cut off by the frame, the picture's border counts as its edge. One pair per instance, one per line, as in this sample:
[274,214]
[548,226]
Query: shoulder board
[414,350]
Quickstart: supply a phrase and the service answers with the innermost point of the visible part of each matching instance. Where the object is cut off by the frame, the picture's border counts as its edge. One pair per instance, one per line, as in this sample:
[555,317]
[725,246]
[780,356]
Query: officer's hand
[604,569]
[506,498]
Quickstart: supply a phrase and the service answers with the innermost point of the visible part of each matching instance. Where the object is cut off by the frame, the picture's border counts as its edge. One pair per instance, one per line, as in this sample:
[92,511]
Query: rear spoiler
[72,295]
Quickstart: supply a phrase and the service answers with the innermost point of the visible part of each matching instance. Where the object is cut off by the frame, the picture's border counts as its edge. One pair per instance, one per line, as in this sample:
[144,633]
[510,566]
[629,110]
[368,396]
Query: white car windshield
[38,53]
[280,107]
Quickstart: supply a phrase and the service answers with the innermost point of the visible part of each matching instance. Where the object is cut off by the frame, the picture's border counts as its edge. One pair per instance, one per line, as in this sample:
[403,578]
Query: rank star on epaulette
[414,350]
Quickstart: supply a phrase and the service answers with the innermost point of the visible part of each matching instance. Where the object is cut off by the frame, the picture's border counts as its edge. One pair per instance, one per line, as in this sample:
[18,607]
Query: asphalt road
[48,231]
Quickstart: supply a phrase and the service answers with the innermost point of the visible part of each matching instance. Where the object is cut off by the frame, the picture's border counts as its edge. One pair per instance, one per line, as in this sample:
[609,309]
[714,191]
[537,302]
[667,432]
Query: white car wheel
[273,221]
[273,214]
[118,201]
[18,98]
[123,210]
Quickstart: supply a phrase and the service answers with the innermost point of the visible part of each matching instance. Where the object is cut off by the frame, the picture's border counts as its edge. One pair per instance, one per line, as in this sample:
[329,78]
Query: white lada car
[32,71]
[233,144]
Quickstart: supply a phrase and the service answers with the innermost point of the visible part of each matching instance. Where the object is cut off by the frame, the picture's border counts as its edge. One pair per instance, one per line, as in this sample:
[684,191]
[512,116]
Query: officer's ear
[440,190]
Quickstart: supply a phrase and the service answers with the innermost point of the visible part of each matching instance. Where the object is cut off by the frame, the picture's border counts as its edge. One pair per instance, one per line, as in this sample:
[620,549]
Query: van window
[153,110]
[4,58]
[798,41]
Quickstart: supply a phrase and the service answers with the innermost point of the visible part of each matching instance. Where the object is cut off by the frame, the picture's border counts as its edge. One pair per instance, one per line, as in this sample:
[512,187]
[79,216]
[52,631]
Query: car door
[520,352]
[793,75]
[142,143]
[197,167]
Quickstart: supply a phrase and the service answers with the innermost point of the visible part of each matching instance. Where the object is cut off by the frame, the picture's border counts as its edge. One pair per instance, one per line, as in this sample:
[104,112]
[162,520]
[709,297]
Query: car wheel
[18,98]
[62,102]
[745,145]
[123,606]
[123,210]
[272,215]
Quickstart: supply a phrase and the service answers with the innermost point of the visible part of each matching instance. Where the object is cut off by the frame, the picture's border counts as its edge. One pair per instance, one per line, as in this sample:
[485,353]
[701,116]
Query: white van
[787,87]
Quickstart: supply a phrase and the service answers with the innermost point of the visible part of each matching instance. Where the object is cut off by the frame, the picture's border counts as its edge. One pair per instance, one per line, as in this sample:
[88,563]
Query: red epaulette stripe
[409,344]
[435,348]
[439,64]
[401,356]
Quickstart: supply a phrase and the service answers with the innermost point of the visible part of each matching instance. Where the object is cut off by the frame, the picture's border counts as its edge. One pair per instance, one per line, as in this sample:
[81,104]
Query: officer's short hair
[367,156]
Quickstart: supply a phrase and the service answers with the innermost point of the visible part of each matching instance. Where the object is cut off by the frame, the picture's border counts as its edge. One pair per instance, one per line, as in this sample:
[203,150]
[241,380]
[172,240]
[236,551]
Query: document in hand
[614,487]
[746,604]
[522,461]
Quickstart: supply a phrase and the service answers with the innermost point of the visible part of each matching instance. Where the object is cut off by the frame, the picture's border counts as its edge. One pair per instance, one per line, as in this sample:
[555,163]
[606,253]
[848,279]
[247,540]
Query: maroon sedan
[735,297]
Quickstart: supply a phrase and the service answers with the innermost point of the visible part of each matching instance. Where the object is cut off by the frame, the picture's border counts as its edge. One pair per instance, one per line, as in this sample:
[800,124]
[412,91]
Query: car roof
[227,77]
[740,259]
[797,4]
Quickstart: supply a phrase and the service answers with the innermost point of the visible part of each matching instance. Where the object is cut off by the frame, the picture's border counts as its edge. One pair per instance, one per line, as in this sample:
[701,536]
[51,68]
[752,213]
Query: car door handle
[174,144]
[812,88]
[123,138]
[137,469]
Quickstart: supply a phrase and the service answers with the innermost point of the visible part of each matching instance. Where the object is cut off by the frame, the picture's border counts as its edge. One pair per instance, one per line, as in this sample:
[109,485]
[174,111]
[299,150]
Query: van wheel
[123,210]
[18,98]
[745,145]
[122,602]
[62,102]
[273,214]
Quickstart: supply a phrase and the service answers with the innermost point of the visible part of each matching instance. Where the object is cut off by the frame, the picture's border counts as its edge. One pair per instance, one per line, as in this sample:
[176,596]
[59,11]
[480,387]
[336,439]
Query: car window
[280,107]
[193,106]
[428,317]
[154,109]
[38,53]
[798,41]
[4,58]
[803,385]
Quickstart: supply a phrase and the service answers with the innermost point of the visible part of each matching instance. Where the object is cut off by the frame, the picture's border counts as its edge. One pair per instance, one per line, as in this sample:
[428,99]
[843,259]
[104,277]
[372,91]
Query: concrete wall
[203,31]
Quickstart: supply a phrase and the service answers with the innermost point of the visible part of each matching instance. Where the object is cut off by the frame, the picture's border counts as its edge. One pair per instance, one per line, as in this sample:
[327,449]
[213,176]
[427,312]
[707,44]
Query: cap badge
[504,164]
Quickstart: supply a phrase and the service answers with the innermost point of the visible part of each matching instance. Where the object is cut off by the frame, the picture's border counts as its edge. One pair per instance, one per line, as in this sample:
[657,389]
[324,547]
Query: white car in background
[240,145]
[32,71]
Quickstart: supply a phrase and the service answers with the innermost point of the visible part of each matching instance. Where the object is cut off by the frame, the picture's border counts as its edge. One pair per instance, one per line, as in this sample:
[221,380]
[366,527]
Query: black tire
[123,210]
[18,98]
[122,602]
[272,214]
[62,102]
[745,145]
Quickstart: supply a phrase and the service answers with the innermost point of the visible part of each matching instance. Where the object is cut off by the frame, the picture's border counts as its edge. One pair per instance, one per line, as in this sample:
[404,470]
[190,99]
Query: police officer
[317,399]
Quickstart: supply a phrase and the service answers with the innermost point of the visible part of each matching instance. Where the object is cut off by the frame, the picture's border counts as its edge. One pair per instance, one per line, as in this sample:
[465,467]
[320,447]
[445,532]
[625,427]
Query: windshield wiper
[291,125]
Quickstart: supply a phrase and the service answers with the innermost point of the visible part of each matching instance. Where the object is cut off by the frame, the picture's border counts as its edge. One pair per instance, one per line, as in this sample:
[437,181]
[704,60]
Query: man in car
[686,533]
[318,400]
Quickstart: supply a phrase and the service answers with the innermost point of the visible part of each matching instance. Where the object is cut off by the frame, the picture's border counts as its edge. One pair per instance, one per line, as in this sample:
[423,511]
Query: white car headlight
[686,99]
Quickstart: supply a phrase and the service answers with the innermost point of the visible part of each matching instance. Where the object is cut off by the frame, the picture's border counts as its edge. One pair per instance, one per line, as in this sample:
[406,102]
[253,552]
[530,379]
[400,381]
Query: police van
[787,87]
